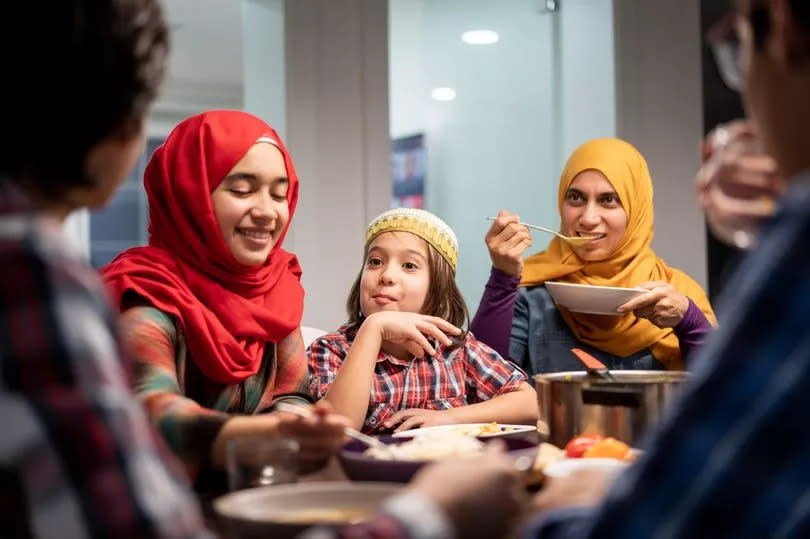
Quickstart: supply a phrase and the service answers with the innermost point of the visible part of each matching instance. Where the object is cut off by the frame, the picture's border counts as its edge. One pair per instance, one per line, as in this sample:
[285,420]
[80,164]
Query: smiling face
[396,274]
[251,204]
[592,208]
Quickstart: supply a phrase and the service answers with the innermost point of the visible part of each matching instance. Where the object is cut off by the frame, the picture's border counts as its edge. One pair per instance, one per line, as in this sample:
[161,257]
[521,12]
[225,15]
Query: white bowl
[584,298]
[287,510]
[565,467]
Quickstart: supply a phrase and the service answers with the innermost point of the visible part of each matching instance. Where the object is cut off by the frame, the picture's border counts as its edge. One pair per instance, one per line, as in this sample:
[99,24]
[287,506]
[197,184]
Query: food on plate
[480,430]
[546,454]
[577,446]
[430,446]
[470,429]
[489,428]
[597,446]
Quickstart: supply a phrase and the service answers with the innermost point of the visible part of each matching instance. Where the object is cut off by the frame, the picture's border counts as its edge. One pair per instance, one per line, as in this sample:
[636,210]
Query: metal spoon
[573,240]
[370,441]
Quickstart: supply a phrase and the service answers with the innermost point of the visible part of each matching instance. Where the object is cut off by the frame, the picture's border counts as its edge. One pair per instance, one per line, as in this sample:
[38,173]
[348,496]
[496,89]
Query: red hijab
[228,311]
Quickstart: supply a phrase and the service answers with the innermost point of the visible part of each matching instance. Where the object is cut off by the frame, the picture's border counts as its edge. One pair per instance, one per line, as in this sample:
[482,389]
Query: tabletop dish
[362,466]
[282,511]
[589,299]
[565,467]
[480,430]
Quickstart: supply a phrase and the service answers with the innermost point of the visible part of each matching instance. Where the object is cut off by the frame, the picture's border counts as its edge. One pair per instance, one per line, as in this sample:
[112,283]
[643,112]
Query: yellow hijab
[633,262]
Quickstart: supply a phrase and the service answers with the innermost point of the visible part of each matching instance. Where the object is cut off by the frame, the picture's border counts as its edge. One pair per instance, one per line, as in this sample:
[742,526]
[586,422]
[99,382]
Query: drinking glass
[255,461]
[740,185]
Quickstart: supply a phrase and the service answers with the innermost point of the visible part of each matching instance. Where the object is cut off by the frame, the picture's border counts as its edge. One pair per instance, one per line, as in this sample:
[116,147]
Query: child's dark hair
[444,299]
[76,73]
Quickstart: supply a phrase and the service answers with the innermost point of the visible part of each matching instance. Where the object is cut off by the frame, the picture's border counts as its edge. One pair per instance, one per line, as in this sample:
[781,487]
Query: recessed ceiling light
[443,94]
[480,37]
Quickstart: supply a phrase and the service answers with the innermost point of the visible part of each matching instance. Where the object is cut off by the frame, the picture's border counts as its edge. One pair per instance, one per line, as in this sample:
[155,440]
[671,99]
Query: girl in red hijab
[211,308]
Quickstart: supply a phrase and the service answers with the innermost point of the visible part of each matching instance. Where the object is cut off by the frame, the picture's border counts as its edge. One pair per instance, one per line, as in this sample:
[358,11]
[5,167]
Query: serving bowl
[360,466]
[282,511]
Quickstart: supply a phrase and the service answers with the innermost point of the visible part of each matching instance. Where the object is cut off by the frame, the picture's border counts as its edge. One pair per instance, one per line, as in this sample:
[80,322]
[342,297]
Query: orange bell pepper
[610,448]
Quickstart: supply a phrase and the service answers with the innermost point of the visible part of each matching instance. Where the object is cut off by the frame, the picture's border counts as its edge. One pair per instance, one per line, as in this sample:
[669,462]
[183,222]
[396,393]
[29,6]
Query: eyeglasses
[725,44]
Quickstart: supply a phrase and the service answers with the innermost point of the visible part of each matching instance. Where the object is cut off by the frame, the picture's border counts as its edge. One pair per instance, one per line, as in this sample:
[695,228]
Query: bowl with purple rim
[359,466]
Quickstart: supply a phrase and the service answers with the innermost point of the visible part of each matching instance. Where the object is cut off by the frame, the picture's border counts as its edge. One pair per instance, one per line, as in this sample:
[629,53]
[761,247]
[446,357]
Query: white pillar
[337,132]
[659,109]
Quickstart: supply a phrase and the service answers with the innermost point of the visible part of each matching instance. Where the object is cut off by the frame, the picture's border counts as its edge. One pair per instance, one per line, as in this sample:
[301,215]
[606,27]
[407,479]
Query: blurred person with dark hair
[77,456]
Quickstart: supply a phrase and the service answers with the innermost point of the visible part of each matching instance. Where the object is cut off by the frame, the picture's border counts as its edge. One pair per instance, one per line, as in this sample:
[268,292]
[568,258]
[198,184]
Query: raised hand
[507,240]
[410,330]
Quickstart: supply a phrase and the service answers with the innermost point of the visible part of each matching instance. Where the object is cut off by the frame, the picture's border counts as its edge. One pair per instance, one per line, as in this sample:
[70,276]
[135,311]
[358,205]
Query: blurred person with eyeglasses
[738,185]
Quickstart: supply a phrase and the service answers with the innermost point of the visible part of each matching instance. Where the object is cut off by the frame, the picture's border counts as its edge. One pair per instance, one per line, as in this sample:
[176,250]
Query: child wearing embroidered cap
[402,360]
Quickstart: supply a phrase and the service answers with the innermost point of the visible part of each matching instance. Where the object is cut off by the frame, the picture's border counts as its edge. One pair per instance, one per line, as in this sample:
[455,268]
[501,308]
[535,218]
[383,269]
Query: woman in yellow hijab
[605,192]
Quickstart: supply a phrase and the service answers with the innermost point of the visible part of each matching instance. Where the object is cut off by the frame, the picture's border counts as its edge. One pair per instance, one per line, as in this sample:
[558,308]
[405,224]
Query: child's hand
[409,330]
[320,436]
[413,418]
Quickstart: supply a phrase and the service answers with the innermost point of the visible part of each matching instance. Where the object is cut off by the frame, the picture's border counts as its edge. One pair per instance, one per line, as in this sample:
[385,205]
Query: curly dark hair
[75,73]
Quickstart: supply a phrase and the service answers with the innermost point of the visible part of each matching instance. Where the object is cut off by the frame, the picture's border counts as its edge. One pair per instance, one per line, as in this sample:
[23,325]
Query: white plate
[285,510]
[504,430]
[565,467]
[583,298]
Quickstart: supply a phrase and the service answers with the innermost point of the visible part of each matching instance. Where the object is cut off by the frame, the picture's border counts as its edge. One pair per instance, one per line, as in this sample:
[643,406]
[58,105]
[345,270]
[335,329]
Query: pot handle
[612,396]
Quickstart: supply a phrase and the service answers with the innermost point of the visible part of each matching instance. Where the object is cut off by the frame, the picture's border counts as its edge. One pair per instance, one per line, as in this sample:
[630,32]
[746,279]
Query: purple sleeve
[692,330]
[492,322]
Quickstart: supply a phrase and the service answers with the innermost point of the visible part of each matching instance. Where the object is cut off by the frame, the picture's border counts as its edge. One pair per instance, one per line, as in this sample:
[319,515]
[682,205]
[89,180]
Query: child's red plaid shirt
[471,373]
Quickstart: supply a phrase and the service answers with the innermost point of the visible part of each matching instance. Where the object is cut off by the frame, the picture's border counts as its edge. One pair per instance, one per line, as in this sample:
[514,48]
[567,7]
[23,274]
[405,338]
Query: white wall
[337,133]
[263,60]
[660,110]
[205,63]
[584,75]
[409,92]
[77,231]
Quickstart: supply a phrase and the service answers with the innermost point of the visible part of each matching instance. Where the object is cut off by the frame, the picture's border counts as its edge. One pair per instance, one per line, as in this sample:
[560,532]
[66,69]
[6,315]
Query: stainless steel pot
[573,403]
